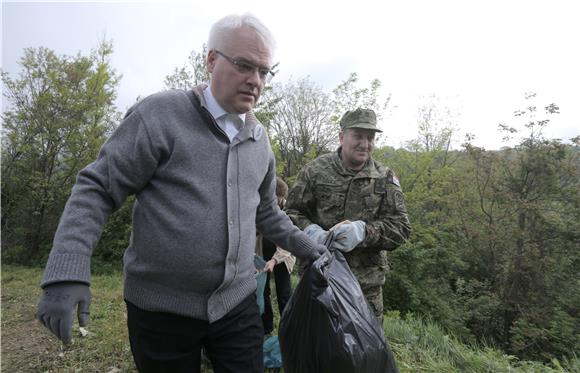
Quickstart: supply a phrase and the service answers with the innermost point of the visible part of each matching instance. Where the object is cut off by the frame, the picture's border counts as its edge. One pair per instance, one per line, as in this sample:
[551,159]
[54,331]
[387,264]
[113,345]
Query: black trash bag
[328,326]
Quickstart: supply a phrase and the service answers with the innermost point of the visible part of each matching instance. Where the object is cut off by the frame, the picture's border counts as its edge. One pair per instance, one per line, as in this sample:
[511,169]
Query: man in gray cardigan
[203,173]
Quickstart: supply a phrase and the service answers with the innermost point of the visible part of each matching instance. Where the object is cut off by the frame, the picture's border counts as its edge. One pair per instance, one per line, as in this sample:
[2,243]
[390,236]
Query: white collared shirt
[231,124]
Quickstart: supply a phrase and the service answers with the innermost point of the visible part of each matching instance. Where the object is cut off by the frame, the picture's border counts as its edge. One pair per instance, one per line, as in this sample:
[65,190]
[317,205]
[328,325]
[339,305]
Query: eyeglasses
[246,67]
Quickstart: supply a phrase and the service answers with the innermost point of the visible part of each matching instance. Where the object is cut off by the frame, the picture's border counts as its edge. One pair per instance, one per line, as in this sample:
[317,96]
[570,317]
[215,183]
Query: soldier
[359,199]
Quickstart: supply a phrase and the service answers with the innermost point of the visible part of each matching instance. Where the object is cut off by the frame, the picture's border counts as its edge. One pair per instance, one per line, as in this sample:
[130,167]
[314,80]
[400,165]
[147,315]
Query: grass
[421,346]
[28,347]
[418,346]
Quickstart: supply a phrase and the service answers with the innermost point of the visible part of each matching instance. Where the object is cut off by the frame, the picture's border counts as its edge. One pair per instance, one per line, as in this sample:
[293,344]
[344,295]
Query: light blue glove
[348,235]
[316,233]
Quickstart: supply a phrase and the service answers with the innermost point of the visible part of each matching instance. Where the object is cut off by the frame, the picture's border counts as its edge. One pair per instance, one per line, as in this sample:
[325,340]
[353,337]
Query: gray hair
[222,29]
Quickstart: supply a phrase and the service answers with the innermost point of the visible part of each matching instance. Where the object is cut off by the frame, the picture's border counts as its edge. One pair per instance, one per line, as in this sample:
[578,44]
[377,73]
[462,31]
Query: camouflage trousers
[374,296]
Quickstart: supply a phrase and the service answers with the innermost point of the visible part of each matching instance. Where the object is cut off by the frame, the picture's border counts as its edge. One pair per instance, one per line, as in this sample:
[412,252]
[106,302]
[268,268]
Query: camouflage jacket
[326,193]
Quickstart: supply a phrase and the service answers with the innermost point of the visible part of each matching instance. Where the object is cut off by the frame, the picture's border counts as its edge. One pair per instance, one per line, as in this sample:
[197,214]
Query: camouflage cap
[360,118]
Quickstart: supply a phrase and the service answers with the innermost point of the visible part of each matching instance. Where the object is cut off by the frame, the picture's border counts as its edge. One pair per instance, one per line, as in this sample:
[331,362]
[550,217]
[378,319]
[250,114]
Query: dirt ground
[24,341]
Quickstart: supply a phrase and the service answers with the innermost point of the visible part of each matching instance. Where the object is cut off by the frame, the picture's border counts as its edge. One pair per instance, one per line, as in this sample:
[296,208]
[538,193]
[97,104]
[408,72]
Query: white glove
[316,233]
[348,235]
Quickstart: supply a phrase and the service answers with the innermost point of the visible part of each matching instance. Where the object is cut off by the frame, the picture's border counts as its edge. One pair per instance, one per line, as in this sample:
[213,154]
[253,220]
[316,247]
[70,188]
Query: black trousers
[164,342]
[283,287]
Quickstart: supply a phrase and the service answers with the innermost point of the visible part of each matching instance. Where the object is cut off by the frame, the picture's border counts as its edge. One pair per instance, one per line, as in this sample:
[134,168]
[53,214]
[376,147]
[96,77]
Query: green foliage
[420,345]
[494,248]
[60,112]
[347,96]
[108,255]
[29,347]
[193,73]
[524,229]
[265,110]
[423,280]
[301,126]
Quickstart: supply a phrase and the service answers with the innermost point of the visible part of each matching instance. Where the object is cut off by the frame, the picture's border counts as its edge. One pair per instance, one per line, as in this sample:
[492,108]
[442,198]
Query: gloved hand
[349,234]
[316,233]
[320,251]
[56,306]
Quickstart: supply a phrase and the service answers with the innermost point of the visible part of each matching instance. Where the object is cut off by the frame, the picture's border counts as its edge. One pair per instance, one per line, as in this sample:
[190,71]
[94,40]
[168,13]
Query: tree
[425,167]
[301,125]
[305,119]
[347,96]
[494,249]
[193,73]
[437,126]
[61,110]
[426,271]
[523,234]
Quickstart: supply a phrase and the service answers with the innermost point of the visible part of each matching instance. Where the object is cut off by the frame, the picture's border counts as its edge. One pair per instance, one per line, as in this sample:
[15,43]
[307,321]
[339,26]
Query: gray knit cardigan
[199,200]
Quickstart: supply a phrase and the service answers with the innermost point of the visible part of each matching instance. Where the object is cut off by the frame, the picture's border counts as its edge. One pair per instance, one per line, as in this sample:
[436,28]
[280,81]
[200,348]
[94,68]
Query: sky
[477,58]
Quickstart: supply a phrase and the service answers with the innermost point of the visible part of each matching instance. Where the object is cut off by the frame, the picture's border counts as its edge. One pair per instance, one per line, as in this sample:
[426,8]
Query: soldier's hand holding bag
[348,234]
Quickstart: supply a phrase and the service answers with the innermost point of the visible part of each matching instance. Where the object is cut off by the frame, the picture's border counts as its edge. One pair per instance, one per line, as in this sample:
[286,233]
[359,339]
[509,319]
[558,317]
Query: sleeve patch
[400,201]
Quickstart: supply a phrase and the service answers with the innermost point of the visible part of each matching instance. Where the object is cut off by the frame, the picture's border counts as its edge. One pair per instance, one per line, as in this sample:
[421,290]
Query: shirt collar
[215,108]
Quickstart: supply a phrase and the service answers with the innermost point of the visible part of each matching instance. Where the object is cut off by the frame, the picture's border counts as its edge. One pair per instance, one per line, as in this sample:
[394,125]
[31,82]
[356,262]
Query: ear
[211,60]
[340,136]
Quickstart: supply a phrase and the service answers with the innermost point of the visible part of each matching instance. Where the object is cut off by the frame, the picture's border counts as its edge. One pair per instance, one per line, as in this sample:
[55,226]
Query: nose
[254,78]
[364,143]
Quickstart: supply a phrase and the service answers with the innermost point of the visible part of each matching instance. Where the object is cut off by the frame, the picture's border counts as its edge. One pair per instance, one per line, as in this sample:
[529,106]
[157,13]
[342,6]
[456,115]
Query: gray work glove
[316,233]
[320,250]
[56,306]
[348,235]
